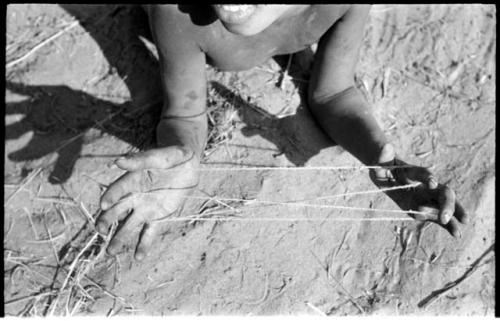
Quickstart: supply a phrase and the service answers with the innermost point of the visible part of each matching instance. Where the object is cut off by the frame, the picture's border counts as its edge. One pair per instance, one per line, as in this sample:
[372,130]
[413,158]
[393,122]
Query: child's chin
[243,29]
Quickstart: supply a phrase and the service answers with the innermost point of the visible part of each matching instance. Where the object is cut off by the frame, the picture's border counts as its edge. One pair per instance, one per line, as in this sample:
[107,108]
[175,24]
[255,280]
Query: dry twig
[450,285]
[41,44]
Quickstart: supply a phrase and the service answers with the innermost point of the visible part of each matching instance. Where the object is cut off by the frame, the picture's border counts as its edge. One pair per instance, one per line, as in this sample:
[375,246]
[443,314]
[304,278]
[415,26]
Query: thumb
[160,158]
[386,157]
[146,240]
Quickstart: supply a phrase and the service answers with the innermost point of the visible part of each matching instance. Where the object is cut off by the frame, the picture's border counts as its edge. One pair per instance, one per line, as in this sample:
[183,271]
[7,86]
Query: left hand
[430,194]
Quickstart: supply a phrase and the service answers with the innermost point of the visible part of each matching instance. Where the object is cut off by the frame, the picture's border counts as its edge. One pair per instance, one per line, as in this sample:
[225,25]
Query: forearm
[187,132]
[346,118]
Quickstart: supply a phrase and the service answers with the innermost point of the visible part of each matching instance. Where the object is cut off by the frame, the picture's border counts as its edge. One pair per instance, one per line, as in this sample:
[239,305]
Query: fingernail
[446,217]
[433,184]
[121,159]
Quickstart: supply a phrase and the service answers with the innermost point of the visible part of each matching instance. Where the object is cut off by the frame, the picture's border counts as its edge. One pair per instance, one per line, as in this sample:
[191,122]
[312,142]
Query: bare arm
[157,181]
[345,116]
[340,109]
[184,88]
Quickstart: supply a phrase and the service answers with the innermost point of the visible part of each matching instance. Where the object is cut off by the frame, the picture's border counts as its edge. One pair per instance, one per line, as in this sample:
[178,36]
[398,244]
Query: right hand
[154,187]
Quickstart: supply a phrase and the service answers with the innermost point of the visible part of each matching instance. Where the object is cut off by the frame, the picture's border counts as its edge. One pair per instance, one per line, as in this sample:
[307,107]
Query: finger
[127,234]
[116,213]
[432,182]
[460,214]
[147,237]
[420,174]
[385,158]
[161,158]
[123,186]
[453,228]
[383,174]
[387,154]
[446,200]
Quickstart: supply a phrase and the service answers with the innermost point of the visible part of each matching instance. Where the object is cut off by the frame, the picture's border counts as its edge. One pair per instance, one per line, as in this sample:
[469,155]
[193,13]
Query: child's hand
[154,187]
[430,194]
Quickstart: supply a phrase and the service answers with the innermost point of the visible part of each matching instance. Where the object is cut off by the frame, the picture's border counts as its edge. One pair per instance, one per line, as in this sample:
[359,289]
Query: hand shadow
[60,121]
[60,116]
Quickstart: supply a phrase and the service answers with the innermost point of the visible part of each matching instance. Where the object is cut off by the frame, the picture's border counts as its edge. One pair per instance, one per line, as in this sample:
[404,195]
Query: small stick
[41,44]
[14,261]
[215,199]
[450,285]
[26,182]
[24,298]
[71,269]
[309,304]
[285,75]
[163,284]
[351,298]
[75,261]
[66,306]
[106,291]
[329,277]
[63,215]
[11,225]
[31,222]
[50,239]
[55,200]
[86,212]
[76,307]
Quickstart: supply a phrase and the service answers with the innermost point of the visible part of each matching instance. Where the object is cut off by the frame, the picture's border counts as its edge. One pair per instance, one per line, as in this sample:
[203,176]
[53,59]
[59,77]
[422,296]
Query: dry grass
[70,290]
[221,120]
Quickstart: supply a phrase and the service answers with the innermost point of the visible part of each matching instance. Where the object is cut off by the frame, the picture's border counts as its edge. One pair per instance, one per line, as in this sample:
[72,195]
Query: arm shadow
[60,117]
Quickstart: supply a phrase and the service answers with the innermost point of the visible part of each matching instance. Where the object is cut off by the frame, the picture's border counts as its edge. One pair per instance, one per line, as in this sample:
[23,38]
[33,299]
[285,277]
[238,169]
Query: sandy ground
[92,93]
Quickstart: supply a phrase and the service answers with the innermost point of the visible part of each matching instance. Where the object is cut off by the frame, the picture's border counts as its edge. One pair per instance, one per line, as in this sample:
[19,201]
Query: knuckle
[184,151]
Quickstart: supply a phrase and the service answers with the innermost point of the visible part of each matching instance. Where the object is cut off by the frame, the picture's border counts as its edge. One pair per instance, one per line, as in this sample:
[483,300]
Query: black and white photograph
[249,160]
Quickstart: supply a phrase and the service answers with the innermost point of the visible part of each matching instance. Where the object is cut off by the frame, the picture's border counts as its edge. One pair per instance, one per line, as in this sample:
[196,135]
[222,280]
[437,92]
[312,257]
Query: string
[286,219]
[339,207]
[373,191]
[307,168]
[302,204]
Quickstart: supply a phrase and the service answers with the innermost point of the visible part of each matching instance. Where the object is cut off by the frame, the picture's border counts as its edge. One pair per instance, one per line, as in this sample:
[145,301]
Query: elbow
[317,98]
[316,95]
